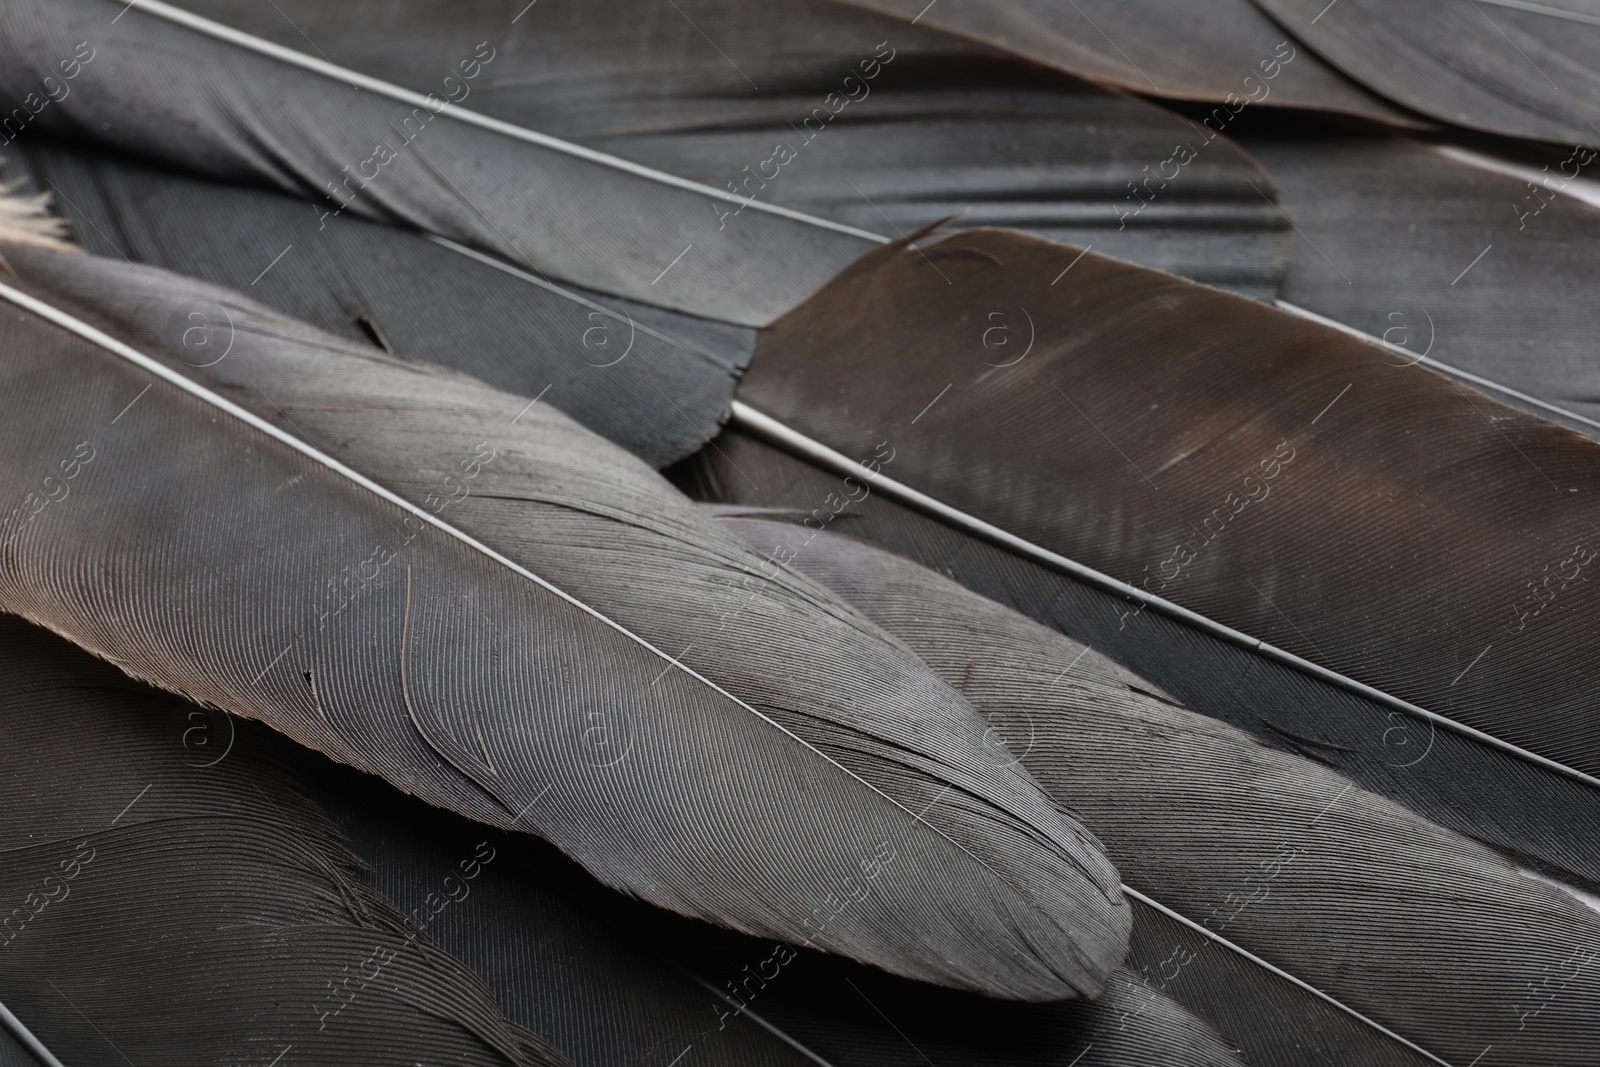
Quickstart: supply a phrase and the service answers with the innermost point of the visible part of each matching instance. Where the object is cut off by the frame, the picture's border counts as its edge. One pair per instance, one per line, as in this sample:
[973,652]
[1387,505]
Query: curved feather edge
[228,895]
[1437,935]
[620,983]
[456,672]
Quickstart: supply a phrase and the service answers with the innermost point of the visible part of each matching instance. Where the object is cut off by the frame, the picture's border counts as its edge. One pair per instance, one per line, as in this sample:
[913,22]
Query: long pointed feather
[1287,858]
[418,650]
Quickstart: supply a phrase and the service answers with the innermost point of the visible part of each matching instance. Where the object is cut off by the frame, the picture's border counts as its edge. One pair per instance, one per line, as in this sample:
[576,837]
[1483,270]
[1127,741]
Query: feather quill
[221,888]
[1446,261]
[874,124]
[1547,821]
[1436,935]
[605,361]
[456,654]
[1186,441]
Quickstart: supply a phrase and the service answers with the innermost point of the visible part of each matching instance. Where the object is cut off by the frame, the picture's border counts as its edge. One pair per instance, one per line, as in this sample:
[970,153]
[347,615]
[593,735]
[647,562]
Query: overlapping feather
[163,906]
[1188,441]
[535,630]
[1418,928]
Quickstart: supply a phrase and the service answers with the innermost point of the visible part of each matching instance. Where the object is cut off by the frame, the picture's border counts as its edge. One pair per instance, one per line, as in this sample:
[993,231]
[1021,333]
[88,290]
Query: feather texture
[617,62]
[402,642]
[1187,441]
[180,90]
[1546,820]
[1444,260]
[611,982]
[13,1053]
[1512,68]
[605,361]
[175,911]
[1430,934]
[869,122]
[1186,49]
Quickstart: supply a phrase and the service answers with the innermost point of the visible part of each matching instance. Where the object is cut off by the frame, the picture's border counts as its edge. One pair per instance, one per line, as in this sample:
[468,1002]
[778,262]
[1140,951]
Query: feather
[176,911]
[611,982]
[605,361]
[874,124]
[603,978]
[456,653]
[1410,924]
[17,1051]
[1150,413]
[1548,821]
[1503,66]
[1184,49]
[1447,261]
[184,91]
[1167,1005]
[618,62]
[27,220]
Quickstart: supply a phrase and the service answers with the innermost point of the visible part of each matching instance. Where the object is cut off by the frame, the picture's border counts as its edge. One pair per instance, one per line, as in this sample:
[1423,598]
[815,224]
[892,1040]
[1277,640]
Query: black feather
[170,908]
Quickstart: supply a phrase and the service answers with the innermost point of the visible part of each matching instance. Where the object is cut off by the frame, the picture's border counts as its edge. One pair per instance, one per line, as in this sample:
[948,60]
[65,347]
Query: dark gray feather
[168,910]
[1505,68]
[869,122]
[1484,272]
[215,560]
[1188,442]
[656,382]
[1416,927]
[224,109]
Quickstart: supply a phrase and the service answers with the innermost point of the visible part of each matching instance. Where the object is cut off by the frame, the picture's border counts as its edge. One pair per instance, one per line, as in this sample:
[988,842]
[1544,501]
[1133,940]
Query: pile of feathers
[871,533]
